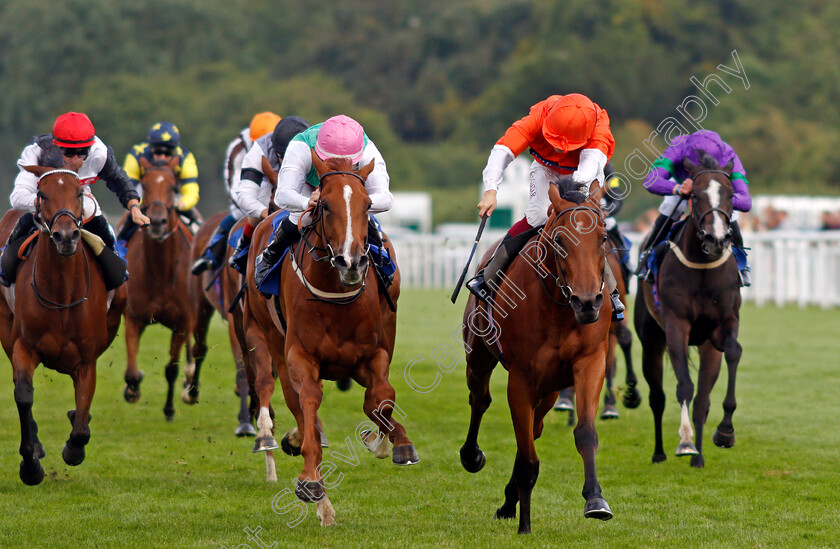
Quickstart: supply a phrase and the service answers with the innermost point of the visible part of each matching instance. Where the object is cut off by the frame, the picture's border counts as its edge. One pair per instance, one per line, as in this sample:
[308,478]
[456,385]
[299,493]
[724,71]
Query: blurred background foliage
[434,82]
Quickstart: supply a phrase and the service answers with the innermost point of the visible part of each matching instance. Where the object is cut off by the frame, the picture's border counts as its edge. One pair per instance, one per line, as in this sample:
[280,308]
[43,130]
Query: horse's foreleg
[303,370]
[631,397]
[480,365]
[589,380]
[84,382]
[653,348]
[260,361]
[380,405]
[179,338]
[676,340]
[133,375]
[196,353]
[709,370]
[526,466]
[724,435]
[31,470]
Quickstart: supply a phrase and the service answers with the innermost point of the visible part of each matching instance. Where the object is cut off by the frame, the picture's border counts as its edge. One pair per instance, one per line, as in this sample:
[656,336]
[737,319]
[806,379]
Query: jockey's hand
[137,215]
[686,188]
[487,203]
[179,205]
[314,197]
[264,214]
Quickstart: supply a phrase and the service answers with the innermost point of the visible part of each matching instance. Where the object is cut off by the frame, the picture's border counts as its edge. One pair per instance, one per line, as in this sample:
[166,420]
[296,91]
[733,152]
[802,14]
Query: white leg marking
[348,239]
[270,471]
[264,424]
[325,511]
[686,432]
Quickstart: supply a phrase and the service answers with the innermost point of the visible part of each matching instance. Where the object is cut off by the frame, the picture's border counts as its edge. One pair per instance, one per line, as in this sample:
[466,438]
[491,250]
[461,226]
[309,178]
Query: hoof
[698,461]
[609,412]
[287,446]
[73,456]
[631,398]
[324,442]
[524,529]
[31,473]
[309,491]
[344,384]
[190,394]
[245,430]
[131,393]
[475,463]
[169,413]
[563,405]
[597,508]
[39,452]
[262,444]
[502,513]
[659,458]
[724,440]
[686,449]
[404,455]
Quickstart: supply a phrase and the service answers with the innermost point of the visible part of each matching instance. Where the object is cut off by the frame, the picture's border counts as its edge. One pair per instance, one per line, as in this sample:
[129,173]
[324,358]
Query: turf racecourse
[191,483]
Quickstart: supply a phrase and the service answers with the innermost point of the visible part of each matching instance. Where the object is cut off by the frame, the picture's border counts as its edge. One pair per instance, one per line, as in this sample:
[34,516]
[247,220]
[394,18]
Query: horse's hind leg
[709,370]
[133,375]
[631,397]
[31,470]
[653,349]
[179,338]
[380,405]
[480,365]
[724,435]
[84,381]
[610,411]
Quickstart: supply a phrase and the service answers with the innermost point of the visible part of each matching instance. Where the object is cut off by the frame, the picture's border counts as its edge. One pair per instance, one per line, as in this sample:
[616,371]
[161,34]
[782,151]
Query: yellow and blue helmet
[166,134]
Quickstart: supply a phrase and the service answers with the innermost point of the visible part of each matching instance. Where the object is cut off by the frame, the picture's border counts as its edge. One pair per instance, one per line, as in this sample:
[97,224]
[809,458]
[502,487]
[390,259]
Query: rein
[49,304]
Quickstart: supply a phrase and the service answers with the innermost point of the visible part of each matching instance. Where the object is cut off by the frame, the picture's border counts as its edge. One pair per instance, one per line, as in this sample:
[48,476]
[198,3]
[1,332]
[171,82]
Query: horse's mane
[571,190]
[339,164]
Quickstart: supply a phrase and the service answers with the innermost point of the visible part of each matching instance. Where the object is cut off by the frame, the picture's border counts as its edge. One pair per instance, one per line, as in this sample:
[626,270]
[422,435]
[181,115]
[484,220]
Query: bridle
[317,215]
[170,208]
[46,227]
[701,233]
[565,289]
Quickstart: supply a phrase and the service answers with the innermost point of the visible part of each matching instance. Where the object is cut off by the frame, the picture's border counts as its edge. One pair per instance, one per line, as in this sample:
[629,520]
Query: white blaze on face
[713,192]
[348,239]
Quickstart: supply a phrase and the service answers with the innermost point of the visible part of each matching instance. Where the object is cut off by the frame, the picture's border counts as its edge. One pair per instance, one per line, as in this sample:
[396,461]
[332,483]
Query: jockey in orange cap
[566,134]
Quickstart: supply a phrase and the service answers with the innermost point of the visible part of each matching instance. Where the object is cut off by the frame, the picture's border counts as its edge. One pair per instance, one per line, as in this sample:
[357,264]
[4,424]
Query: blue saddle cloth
[271,282]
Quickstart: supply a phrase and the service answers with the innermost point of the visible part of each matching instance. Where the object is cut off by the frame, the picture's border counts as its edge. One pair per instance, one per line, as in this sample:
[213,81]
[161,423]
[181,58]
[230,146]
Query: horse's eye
[604,239]
[325,206]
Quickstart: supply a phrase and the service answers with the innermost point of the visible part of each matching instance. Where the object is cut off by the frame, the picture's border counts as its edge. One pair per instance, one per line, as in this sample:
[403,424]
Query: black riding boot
[660,228]
[738,242]
[9,261]
[285,235]
[236,261]
[212,255]
[113,266]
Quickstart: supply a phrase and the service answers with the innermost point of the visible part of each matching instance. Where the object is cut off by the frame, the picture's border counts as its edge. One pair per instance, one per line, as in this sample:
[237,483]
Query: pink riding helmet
[340,137]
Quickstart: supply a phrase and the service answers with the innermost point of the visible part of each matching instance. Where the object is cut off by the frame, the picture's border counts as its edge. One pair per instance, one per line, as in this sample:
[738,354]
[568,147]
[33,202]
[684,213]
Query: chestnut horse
[158,285]
[58,315]
[700,298]
[549,327]
[329,322]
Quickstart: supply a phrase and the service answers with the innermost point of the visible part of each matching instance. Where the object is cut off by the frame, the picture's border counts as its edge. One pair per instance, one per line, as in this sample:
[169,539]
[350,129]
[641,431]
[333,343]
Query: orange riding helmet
[263,123]
[570,122]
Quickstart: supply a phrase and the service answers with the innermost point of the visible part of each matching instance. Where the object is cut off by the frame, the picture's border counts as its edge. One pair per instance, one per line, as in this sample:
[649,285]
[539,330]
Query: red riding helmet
[73,130]
[570,122]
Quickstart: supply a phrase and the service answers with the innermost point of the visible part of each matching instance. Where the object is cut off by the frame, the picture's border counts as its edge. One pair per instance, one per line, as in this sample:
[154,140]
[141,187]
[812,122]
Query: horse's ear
[173,163]
[596,192]
[320,165]
[729,166]
[38,170]
[364,171]
[269,171]
[690,166]
[145,164]
[553,194]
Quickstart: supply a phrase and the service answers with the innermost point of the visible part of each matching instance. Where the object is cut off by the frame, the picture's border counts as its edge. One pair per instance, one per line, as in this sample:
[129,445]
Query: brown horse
[549,328]
[700,300]
[329,322]
[58,316]
[158,285]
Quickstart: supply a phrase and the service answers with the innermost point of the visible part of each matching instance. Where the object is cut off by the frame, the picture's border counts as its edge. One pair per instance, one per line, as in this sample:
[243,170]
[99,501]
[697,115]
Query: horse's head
[578,236]
[59,206]
[159,187]
[344,206]
[711,202]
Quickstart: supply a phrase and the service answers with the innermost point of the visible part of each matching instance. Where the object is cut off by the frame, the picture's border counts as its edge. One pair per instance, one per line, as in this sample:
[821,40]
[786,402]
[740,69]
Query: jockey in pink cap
[298,183]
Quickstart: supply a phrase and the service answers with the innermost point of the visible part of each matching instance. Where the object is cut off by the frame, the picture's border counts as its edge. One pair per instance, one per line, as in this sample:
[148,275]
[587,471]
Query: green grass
[191,483]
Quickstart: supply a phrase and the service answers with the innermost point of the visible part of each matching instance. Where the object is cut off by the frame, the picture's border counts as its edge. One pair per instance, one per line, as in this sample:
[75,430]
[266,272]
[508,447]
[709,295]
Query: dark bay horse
[329,322]
[158,285]
[699,297]
[549,328]
[58,314]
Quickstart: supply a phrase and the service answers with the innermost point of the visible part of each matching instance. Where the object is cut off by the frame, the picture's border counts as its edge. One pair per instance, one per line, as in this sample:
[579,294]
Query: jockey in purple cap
[298,185]
[668,177]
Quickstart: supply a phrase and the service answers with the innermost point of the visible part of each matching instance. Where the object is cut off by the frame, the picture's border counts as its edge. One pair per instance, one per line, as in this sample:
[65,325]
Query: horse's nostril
[340,262]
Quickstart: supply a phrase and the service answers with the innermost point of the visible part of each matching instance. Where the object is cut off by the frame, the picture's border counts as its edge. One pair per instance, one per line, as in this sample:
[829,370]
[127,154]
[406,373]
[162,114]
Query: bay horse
[700,298]
[549,335]
[57,315]
[158,285]
[329,322]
